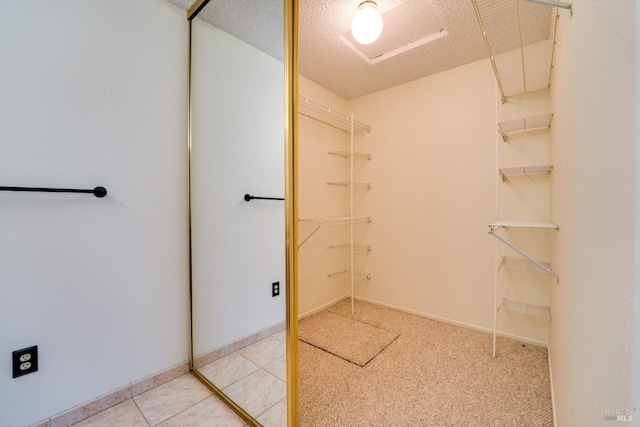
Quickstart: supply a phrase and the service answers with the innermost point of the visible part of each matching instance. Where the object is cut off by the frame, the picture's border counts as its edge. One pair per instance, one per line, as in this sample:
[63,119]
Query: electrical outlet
[275,289]
[25,361]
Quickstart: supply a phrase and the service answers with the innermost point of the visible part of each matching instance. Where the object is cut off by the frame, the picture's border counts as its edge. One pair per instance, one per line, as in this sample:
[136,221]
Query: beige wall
[434,195]
[593,201]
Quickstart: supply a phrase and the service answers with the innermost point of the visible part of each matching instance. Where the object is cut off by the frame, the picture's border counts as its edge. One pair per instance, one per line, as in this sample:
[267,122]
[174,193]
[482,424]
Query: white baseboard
[553,398]
[322,307]
[455,322]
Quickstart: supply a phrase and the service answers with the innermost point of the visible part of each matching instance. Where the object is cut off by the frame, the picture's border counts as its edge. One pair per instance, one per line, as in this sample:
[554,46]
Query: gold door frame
[291,203]
[291,211]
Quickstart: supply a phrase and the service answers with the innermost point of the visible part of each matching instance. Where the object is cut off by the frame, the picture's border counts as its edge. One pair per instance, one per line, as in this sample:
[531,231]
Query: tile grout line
[141,412]
[143,385]
[270,407]
[70,417]
[268,373]
[184,410]
[245,376]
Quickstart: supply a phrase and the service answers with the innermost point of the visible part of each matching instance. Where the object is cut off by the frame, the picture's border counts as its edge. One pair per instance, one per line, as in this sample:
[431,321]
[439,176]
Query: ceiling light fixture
[366,25]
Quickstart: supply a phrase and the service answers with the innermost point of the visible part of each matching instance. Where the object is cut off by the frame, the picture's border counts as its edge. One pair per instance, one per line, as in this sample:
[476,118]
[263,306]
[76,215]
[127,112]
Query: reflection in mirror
[238,248]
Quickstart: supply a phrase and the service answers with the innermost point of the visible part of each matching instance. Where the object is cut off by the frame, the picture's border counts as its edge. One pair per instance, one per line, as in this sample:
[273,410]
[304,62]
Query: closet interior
[440,169]
[520,38]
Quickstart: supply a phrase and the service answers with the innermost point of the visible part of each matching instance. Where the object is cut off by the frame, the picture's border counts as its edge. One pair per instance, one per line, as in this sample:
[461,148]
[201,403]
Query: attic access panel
[520,37]
[399,34]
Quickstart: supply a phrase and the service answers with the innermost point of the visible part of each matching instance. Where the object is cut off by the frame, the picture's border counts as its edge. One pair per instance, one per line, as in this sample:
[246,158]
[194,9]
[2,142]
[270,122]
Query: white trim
[456,323]
[323,306]
[407,47]
[553,398]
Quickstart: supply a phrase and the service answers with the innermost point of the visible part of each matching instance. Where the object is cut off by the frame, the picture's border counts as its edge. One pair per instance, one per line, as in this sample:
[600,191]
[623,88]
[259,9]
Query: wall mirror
[237,150]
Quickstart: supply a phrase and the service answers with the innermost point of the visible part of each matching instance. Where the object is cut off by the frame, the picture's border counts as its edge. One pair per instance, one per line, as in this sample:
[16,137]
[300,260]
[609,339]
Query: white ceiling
[419,38]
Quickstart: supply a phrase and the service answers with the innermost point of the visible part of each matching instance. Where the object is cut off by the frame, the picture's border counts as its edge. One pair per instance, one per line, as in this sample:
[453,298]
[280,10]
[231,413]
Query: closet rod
[248,197]
[98,191]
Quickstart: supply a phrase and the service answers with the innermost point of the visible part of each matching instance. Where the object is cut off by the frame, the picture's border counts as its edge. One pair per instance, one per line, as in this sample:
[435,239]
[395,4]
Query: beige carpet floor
[354,341]
[433,374]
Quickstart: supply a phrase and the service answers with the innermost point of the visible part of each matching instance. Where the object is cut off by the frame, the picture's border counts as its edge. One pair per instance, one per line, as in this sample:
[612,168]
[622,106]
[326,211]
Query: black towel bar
[248,197]
[98,191]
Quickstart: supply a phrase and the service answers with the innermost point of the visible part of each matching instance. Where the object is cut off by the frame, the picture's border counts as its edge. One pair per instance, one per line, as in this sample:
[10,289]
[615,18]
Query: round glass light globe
[366,25]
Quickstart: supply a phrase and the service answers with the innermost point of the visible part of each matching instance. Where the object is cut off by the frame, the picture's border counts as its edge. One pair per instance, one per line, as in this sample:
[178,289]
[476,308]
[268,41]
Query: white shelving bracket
[347,273]
[502,134]
[318,226]
[521,264]
[356,248]
[493,229]
[562,5]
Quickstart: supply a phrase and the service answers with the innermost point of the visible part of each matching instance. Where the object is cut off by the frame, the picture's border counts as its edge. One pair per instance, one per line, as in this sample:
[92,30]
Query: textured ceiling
[258,23]
[419,38]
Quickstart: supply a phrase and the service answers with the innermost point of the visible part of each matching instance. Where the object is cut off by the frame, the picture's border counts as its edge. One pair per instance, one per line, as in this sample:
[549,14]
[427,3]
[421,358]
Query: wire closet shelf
[520,36]
[327,115]
[332,221]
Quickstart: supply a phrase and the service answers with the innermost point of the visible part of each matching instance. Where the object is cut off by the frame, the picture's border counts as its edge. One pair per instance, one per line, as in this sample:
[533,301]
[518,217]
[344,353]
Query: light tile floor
[253,377]
[181,402]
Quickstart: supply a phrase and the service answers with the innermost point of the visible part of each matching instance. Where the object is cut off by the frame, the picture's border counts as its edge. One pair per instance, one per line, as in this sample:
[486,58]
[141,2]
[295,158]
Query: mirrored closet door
[237,169]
